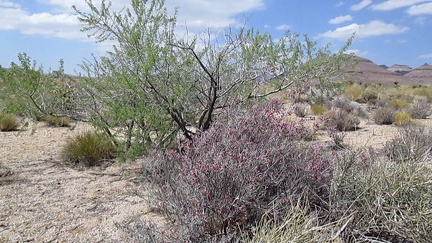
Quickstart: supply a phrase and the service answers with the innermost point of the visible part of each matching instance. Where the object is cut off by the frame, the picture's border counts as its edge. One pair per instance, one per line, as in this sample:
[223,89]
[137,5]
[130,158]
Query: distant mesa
[362,70]
[401,69]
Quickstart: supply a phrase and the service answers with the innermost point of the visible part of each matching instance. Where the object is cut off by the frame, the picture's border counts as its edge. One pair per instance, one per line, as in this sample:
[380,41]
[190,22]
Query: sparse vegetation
[89,148]
[301,109]
[8,122]
[318,109]
[402,118]
[400,104]
[56,121]
[420,109]
[342,120]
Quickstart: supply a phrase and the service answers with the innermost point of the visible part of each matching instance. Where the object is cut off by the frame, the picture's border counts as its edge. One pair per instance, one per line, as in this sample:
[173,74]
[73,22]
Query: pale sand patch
[45,200]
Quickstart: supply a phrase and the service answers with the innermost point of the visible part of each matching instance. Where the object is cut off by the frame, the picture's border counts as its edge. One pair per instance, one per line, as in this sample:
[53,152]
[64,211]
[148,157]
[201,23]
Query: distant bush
[8,122]
[56,121]
[424,91]
[420,109]
[384,116]
[318,109]
[412,143]
[253,164]
[349,106]
[399,104]
[88,148]
[370,96]
[342,120]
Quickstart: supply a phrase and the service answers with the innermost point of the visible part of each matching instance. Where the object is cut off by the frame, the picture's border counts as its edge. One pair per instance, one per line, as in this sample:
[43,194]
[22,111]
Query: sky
[386,31]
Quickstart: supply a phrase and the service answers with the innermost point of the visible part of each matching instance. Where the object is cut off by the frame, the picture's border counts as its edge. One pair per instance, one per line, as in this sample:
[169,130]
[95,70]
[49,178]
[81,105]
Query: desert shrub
[424,91]
[354,92]
[301,109]
[342,120]
[412,143]
[420,109]
[385,201]
[299,225]
[402,118]
[8,122]
[384,116]
[349,106]
[318,109]
[370,96]
[89,148]
[56,121]
[399,104]
[253,164]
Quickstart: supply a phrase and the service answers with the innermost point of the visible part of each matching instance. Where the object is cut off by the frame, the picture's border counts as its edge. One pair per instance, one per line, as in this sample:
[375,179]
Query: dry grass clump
[420,109]
[89,148]
[8,122]
[342,120]
[301,109]
[354,92]
[384,116]
[412,143]
[57,121]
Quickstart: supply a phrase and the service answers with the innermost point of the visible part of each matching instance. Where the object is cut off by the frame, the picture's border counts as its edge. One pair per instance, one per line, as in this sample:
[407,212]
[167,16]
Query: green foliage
[399,104]
[89,148]
[318,109]
[8,122]
[153,82]
[402,118]
[27,91]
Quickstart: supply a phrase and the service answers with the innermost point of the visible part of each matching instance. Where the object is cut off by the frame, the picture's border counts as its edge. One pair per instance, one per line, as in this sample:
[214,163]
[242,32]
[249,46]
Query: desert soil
[43,199]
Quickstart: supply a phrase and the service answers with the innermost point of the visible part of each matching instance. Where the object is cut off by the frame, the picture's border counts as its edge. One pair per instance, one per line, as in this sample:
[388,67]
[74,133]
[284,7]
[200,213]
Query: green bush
[57,121]
[8,122]
[399,104]
[402,118]
[318,109]
[354,92]
[89,148]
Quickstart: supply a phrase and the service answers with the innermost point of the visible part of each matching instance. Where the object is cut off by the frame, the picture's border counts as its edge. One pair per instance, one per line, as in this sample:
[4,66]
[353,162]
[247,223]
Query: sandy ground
[43,199]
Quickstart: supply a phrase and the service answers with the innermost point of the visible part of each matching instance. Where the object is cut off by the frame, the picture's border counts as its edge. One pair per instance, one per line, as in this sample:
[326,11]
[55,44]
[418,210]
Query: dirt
[43,199]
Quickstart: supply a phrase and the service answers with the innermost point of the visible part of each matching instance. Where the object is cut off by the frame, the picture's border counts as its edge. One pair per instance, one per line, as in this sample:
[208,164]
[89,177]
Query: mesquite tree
[154,83]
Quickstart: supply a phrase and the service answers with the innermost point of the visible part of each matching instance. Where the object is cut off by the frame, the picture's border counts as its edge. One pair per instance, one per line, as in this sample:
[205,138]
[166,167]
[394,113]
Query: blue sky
[387,31]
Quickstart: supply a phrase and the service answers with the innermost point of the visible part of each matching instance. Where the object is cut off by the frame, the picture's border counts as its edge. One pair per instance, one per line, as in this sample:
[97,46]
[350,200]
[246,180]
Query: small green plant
[318,109]
[89,148]
[57,121]
[370,96]
[8,122]
[400,104]
[402,118]
[354,92]
[384,116]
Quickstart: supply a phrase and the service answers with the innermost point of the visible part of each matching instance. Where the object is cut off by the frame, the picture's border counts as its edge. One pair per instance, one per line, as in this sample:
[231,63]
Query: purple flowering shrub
[253,163]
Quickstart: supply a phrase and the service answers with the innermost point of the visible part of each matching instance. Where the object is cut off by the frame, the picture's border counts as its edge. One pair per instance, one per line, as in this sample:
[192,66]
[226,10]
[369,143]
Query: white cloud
[357,52]
[420,9]
[339,4]
[425,56]
[394,4]
[59,19]
[373,28]
[283,27]
[8,4]
[47,24]
[361,5]
[340,19]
